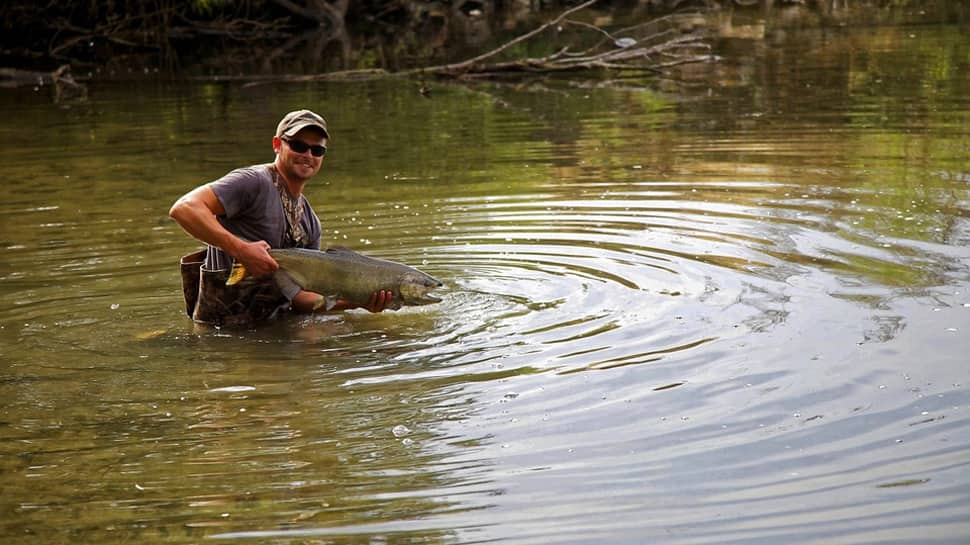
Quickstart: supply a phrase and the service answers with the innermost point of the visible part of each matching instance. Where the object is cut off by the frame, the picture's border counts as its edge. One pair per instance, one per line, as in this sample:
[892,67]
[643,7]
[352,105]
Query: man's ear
[276,144]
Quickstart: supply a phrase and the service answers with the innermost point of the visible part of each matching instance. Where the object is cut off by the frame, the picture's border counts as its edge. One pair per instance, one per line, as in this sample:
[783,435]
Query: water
[735,311]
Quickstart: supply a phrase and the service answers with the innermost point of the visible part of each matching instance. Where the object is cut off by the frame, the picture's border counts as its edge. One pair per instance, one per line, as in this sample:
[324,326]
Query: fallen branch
[618,52]
[621,51]
[466,65]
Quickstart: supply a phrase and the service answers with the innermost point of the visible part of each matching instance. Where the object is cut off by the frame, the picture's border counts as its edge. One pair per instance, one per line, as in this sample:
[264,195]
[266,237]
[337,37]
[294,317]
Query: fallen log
[637,49]
[65,86]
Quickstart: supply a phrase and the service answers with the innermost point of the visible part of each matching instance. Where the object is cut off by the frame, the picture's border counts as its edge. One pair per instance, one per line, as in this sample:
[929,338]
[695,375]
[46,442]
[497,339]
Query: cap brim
[300,126]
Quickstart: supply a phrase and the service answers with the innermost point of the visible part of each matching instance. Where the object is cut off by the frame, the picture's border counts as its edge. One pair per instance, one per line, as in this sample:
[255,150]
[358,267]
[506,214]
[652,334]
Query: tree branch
[458,67]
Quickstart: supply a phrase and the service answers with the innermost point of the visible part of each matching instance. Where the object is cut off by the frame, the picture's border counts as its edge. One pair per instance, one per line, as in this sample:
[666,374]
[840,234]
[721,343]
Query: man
[245,213]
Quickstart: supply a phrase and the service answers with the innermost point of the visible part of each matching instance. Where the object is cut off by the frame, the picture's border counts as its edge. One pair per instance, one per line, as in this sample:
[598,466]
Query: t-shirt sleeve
[237,190]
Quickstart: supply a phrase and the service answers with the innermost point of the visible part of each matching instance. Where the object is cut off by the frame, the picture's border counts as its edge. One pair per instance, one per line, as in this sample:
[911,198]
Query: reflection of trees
[823,6]
[331,29]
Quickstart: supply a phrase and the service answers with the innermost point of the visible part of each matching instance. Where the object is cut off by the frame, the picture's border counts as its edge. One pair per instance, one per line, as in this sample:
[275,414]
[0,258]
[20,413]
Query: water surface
[729,311]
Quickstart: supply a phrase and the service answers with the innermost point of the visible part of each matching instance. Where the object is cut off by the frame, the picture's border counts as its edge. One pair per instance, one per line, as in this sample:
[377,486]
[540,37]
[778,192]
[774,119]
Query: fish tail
[237,274]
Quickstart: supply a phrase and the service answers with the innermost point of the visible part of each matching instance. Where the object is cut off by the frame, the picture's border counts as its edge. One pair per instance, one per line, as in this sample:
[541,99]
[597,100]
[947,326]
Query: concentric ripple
[598,275]
[737,318]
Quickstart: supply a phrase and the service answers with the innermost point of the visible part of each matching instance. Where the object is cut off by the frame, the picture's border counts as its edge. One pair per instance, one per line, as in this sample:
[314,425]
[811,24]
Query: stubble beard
[299,171]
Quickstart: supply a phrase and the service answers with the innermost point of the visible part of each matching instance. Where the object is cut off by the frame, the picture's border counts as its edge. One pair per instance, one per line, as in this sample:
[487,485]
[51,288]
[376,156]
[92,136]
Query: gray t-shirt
[254,212]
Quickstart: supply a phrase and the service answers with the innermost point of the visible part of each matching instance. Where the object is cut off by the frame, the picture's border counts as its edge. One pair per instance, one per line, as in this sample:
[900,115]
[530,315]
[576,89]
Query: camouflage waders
[209,300]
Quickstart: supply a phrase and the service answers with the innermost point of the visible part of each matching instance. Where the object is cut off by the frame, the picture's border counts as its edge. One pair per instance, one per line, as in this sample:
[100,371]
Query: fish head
[415,287]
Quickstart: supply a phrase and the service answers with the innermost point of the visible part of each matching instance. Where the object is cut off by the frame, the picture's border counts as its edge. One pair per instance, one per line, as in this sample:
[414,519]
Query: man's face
[296,166]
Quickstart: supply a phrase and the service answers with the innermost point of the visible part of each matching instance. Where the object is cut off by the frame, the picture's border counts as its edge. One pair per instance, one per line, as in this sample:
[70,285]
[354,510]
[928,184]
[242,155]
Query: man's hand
[255,257]
[379,300]
[306,301]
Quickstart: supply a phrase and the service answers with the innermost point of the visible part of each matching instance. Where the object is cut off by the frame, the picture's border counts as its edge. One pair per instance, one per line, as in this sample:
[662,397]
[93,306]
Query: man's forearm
[309,301]
[199,222]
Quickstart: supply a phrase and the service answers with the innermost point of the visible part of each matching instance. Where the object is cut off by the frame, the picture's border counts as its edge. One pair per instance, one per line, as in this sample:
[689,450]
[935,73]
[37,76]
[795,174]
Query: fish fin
[339,250]
[237,274]
[326,302]
[286,282]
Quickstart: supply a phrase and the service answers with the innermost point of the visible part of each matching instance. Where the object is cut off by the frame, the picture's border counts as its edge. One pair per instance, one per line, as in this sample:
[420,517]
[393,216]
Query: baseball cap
[293,122]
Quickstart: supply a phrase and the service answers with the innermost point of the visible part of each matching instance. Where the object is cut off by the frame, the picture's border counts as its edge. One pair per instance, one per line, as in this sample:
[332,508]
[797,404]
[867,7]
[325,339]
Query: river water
[732,310]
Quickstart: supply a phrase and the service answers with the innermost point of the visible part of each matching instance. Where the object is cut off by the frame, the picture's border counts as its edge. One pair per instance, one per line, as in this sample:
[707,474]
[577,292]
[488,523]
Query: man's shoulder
[256,178]
[243,187]
[259,173]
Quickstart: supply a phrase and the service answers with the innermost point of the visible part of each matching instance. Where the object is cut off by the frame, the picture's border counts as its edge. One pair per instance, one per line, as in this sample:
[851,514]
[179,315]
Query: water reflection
[726,315]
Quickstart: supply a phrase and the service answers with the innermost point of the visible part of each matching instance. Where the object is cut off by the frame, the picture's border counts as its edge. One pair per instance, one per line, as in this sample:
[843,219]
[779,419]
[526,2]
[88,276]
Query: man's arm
[304,301]
[196,212]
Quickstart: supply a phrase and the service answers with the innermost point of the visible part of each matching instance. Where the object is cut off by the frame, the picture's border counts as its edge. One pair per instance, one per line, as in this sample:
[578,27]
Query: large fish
[340,273]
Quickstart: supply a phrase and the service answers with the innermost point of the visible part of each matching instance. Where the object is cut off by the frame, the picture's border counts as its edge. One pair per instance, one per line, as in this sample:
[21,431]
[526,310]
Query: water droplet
[115,306]
[400,430]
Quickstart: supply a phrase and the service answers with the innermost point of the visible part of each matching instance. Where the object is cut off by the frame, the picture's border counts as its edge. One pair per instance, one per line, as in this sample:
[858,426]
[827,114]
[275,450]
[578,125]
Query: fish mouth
[432,298]
[422,296]
[416,291]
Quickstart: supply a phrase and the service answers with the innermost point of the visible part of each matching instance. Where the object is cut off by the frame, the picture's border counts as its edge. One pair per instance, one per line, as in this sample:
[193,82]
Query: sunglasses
[300,146]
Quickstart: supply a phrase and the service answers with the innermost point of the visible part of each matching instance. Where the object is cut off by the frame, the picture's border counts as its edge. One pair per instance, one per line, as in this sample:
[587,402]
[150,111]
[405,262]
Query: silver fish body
[340,273]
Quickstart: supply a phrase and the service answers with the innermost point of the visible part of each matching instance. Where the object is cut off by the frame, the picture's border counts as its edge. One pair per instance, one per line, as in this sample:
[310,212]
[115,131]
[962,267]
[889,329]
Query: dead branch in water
[650,47]
[468,65]
[650,51]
